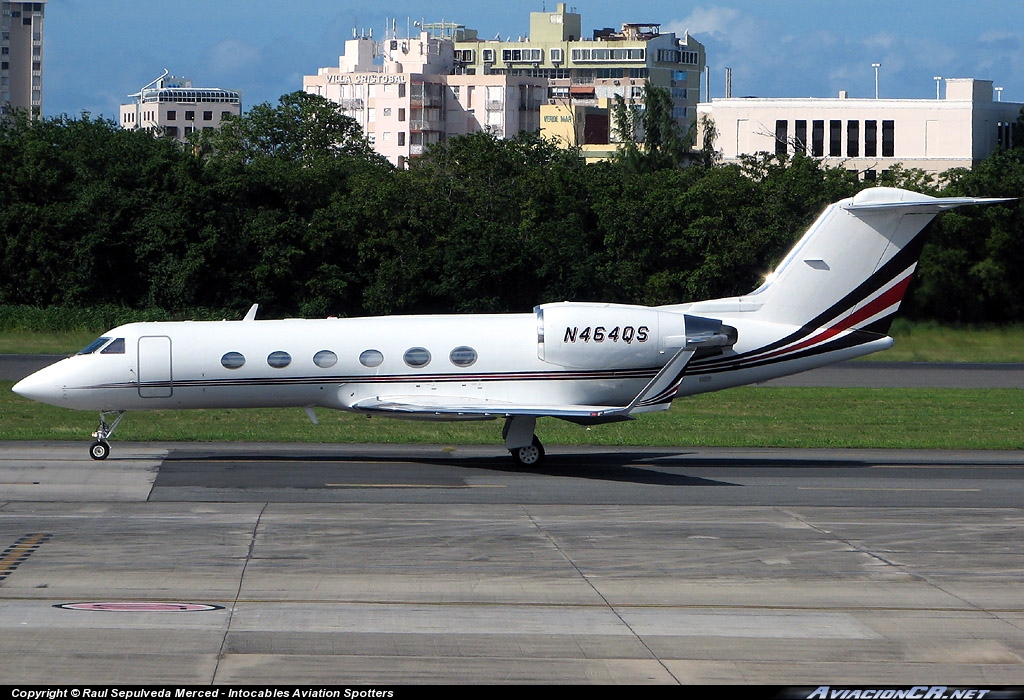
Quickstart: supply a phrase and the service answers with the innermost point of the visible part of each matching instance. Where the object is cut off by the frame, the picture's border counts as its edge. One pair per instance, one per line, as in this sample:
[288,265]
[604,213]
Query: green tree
[649,136]
[303,128]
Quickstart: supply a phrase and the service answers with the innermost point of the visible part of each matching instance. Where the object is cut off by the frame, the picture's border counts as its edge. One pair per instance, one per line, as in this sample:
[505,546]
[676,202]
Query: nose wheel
[101,448]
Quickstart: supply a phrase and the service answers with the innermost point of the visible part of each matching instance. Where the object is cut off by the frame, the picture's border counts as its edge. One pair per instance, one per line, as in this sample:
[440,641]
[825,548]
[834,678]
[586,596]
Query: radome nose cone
[31,387]
[45,386]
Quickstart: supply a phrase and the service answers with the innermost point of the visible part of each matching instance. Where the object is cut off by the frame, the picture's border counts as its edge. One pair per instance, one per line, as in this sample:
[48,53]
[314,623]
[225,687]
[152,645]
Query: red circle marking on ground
[139,606]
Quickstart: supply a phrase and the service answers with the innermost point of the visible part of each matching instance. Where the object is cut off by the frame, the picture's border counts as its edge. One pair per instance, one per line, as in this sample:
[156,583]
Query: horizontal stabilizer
[891,199]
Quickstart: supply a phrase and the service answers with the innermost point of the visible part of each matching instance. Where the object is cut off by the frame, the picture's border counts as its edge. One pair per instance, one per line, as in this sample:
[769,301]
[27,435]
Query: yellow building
[584,75]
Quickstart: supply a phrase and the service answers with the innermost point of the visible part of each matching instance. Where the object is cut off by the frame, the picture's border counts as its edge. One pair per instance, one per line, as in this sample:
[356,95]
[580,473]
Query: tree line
[289,206]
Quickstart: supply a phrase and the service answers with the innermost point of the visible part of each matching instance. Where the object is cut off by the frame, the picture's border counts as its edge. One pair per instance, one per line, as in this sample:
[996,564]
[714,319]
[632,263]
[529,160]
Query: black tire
[529,456]
[99,450]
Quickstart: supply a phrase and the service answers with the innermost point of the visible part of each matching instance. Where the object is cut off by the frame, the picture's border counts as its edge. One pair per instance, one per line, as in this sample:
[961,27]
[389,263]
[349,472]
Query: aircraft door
[155,378]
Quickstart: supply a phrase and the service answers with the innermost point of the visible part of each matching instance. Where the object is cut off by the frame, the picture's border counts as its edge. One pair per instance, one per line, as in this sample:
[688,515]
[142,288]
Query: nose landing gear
[101,448]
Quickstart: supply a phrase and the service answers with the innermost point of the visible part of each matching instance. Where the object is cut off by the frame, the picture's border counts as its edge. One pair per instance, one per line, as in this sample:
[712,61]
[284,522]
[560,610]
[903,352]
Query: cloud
[231,56]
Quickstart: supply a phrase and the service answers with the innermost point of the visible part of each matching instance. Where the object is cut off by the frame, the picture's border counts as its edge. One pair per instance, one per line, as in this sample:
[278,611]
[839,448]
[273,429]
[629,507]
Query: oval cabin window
[463,356]
[325,359]
[371,358]
[279,359]
[233,360]
[417,357]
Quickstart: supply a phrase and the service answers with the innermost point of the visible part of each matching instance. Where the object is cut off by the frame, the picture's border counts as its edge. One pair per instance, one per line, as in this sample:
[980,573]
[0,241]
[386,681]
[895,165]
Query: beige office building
[867,135]
[21,56]
[174,107]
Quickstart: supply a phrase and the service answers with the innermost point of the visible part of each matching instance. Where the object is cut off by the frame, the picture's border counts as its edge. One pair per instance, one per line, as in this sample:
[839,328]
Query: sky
[97,52]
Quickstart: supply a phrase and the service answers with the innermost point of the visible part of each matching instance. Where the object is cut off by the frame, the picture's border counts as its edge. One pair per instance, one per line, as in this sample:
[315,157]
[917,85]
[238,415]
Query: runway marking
[947,466]
[416,486]
[139,606]
[18,552]
[878,488]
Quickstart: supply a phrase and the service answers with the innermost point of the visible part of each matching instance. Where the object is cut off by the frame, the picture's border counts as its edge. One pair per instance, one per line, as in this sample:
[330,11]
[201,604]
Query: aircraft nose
[38,387]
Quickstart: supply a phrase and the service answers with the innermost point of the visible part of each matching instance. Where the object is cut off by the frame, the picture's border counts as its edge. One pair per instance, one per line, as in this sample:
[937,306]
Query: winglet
[251,314]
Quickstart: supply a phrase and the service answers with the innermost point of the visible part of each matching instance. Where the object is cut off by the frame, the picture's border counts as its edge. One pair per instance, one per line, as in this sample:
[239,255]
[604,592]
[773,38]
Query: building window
[208,116]
[401,114]
[522,55]
[835,137]
[401,138]
[888,138]
[190,115]
[818,138]
[870,138]
[172,115]
[800,136]
[853,139]
[781,136]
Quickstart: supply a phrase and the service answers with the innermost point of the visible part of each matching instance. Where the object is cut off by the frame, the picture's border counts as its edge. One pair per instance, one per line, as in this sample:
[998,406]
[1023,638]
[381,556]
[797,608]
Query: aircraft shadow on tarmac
[246,469]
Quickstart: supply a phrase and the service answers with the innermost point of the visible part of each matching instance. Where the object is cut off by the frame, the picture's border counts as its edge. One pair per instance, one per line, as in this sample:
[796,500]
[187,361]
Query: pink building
[411,99]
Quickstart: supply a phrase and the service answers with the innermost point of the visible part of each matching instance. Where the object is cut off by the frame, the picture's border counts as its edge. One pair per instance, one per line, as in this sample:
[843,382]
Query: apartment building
[446,81]
[405,95]
[585,74]
[21,56]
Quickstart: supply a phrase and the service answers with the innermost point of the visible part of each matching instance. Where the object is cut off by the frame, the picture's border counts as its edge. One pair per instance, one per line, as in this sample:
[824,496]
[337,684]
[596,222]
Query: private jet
[832,298]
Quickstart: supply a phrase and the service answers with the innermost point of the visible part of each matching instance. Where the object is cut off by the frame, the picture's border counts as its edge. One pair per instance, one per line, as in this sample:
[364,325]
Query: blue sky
[99,51]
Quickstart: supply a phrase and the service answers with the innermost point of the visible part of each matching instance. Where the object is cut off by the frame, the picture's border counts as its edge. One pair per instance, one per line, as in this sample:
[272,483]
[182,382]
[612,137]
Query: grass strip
[756,416]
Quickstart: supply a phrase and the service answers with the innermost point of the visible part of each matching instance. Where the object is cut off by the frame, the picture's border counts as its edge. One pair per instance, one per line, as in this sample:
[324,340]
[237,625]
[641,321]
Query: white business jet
[831,299]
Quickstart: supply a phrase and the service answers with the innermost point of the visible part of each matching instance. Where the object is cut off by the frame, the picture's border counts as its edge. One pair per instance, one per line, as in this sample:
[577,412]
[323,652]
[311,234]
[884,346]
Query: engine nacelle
[606,336]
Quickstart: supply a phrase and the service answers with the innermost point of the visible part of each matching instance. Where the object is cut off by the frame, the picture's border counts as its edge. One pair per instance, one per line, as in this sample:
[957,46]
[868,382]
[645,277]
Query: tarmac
[378,565]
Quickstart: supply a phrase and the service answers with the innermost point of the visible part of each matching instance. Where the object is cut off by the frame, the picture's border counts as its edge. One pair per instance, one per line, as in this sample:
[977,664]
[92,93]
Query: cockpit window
[115,348]
[94,346]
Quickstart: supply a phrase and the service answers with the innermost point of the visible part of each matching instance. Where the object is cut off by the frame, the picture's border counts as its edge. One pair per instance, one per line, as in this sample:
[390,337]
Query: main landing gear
[521,442]
[101,448]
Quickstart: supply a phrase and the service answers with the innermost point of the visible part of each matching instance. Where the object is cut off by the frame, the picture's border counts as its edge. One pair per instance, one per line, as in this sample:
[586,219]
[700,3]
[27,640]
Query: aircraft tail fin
[852,267]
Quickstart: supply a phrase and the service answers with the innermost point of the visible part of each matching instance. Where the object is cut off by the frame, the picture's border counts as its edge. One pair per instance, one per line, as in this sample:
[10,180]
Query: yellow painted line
[19,552]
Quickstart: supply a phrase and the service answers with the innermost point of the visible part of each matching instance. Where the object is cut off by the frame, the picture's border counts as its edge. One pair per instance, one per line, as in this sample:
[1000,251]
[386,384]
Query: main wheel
[530,455]
[99,449]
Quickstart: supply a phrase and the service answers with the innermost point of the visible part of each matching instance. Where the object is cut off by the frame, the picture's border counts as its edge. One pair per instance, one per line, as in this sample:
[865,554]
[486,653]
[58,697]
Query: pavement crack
[238,592]
[607,603]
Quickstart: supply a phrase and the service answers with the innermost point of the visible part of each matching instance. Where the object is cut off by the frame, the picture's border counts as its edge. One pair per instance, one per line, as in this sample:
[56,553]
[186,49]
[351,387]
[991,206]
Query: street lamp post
[876,66]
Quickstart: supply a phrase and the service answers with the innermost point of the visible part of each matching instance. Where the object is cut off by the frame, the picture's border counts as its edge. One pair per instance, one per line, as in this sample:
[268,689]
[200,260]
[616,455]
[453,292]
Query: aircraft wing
[656,395]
